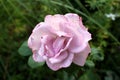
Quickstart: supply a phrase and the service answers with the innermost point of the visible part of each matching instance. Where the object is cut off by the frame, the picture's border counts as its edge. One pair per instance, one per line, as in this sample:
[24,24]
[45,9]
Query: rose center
[54,46]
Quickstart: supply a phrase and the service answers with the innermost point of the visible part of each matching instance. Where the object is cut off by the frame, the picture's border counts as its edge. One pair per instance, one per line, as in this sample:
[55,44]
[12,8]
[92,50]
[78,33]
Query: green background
[18,18]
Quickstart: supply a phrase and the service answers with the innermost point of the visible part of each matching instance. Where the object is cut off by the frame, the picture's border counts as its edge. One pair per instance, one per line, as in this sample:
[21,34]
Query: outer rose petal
[59,58]
[68,61]
[80,37]
[80,42]
[55,20]
[37,57]
[37,26]
[80,58]
[75,20]
[62,64]
[34,40]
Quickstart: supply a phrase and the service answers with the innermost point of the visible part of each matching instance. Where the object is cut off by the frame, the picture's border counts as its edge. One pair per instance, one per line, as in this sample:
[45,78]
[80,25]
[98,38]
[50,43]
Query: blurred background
[101,17]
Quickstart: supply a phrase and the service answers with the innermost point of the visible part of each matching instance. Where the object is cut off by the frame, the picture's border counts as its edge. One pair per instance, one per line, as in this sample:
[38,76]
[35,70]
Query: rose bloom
[60,40]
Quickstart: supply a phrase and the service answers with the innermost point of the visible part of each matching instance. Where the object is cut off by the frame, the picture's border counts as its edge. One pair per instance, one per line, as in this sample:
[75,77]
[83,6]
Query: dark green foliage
[18,18]
[24,50]
[34,64]
[89,75]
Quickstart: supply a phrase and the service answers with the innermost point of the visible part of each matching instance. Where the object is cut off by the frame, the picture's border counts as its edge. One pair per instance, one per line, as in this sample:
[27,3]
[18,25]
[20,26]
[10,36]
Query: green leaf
[34,64]
[24,50]
[97,54]
[89,63]
[89,75]
[111,75]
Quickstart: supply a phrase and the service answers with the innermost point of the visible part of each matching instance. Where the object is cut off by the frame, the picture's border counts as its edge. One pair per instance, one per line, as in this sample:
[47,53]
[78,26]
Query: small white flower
[112,16]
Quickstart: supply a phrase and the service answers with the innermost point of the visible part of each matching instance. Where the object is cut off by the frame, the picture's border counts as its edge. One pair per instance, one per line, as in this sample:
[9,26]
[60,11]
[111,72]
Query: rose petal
[54,21]
[80,58]
[77,45]
[68,61]
[79,41]
[58,44]
[62,64]
[47,40]
[58,59]
[65,48]
[41,51]
[75,20]
[37,26]
[50,52]
[61,33]
[43,29]
[34,40]
[81,35]
[37,57]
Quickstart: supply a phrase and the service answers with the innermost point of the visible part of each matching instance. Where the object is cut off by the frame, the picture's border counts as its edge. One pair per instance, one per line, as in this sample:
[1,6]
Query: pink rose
[60,40]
